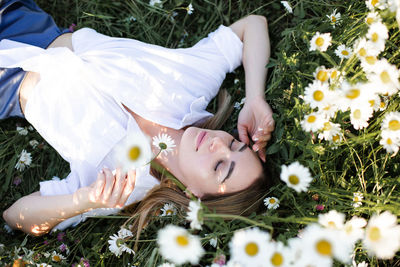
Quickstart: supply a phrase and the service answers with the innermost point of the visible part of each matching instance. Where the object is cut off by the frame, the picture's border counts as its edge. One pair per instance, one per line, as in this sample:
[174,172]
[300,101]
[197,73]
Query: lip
[200,139]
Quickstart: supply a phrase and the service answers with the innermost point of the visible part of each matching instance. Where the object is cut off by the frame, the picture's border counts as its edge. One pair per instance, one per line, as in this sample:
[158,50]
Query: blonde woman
[86,92]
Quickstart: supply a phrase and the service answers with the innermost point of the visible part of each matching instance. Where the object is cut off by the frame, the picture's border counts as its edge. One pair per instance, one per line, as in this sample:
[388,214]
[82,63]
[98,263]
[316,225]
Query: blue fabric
[22,21]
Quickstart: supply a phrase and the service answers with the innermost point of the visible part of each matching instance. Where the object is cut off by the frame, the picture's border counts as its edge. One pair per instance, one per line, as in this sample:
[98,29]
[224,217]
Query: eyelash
[220,161]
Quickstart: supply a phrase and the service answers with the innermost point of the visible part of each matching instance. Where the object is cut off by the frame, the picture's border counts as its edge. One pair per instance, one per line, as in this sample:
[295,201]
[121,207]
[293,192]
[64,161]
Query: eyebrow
[232,166]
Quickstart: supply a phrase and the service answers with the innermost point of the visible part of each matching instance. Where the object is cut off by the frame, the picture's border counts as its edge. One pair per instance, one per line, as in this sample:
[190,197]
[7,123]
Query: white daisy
[382,235]
[320,41]
[368,63]
[248,247]
[164,142]
[373,17]
[24,160]
[57,257]
[125,233]
[389,142]
[357,199]
[391,124]
[329,131]
[178,246]
[296,176]
[42,265]
[352,94]
[133,151]
[386,77]
[379,4]
[324,244]
[33,143]
[334,18]
[343,52]
[364,48]
[156,2]
[287,6]
[190,9]
[278,255]
[168,209]
[360,113]
[271,202]
[194,215]
[353,229]
[118,245]
[334,75]
[393,5]
[376,103]
[213,241]
[378,34]
[321,74]
[332,220]
[295,245]
[22,130]
[328,110]
[317,94]
[166,264]
[312,122]
[360,264]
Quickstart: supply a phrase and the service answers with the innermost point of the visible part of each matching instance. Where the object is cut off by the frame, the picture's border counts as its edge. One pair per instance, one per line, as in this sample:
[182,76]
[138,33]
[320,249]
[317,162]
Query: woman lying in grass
[84,92]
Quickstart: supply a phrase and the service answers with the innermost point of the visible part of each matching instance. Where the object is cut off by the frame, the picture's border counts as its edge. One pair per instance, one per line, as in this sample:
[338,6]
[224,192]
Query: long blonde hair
[243,202]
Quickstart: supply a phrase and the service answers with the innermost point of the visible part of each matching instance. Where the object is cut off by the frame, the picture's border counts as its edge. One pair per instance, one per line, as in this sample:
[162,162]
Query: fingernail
[255,138]
[260,129]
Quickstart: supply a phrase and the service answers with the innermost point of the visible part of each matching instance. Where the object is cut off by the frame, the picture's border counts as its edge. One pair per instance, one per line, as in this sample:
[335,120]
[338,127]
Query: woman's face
[214,162]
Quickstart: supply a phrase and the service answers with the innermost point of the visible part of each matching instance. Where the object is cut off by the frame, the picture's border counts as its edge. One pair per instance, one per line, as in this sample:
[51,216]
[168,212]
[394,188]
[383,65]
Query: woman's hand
[255,120]
[108,191]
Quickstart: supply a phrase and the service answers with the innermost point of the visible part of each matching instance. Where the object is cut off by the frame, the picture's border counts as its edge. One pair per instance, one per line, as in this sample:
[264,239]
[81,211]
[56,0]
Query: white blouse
[77,104]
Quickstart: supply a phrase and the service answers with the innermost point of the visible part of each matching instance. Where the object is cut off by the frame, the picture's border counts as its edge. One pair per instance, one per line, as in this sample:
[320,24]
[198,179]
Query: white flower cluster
[330,93]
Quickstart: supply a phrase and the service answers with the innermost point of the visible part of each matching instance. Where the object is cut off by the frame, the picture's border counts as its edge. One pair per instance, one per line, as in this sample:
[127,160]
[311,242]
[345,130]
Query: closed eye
[221,161]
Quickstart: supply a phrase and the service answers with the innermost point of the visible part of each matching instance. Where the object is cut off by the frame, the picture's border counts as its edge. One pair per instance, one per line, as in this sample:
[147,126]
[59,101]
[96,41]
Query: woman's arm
[35,214]
[255,119]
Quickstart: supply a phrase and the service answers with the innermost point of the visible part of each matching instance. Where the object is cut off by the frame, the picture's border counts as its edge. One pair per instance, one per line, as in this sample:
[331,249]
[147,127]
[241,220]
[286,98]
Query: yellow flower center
[169,212]
[322,75]
[389,141]
[374,2]
[349,229]
[311,119]
[382,105]
[374,233]
[394,125]
[371,60]
[251,249]
[345,53]
[370,21]
[134,153]
[318,95]
[385,77]
[374,37]
[362,52]
[357,114]
[319,41]
[56,258]
[336,138]
[353,93]
[272,201]
[327,126]
[334,74]
[333,19]
[294,179]
[356,199]
[277,259]
[182,240]
[372,102]
[324,247]
[332,224]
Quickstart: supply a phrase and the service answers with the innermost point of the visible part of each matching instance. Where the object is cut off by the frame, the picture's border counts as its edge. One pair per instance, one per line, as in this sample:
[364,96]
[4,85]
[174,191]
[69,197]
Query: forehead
[247,169]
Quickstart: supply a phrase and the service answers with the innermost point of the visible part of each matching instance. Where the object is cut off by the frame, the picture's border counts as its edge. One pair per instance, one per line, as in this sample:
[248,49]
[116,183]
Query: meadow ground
[352,147]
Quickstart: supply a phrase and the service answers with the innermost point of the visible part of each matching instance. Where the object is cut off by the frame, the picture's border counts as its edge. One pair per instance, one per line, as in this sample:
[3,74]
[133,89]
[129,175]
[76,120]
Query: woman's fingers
[120,181]
[129,186]
[108,188]
[99,185]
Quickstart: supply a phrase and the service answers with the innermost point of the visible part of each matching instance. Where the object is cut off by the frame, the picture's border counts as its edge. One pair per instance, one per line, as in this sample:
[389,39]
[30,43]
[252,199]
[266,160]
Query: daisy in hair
[343,52]
[296,176]
[178,246]
[382,235]
[168,209]
[248,247]
[312,122]
[378,34]
[320,41]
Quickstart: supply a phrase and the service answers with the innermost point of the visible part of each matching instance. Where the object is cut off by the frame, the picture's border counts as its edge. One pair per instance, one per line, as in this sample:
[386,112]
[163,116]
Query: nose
[218,144]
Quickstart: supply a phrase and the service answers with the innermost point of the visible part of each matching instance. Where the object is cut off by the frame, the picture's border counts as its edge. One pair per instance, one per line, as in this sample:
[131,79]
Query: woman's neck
[151,129]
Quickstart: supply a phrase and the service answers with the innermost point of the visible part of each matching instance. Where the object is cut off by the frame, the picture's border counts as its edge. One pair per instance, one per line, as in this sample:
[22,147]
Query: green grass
[359,164]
